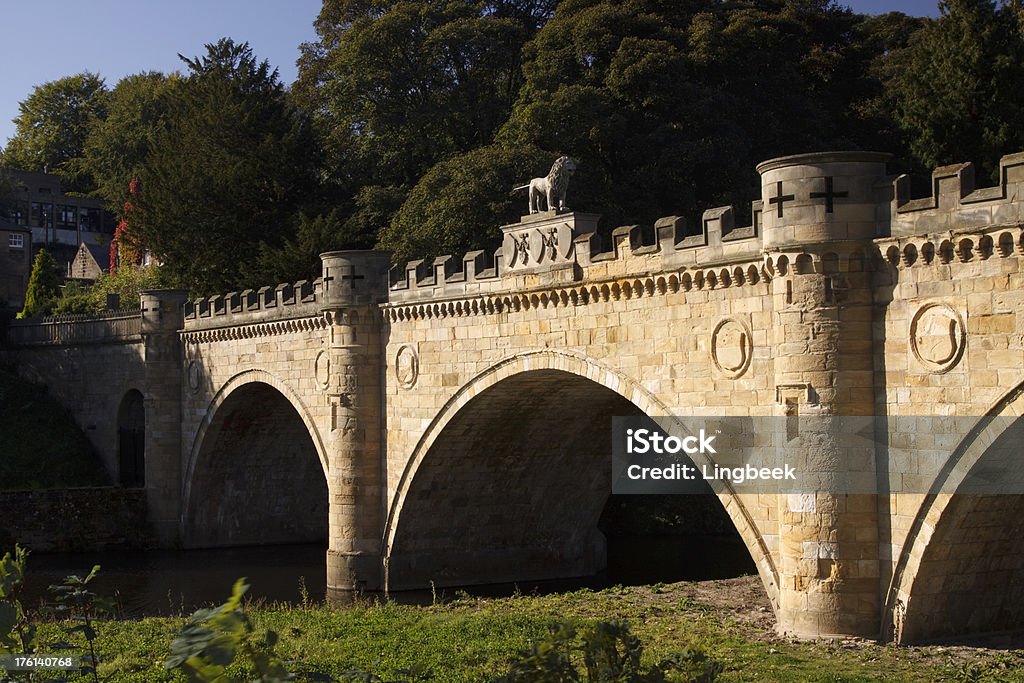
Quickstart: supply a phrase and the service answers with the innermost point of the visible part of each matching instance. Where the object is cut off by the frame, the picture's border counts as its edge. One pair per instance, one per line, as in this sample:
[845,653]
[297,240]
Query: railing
[89,328]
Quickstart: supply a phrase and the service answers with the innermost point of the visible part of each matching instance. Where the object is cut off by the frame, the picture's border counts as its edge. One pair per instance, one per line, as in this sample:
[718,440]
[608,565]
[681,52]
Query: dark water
[163,582]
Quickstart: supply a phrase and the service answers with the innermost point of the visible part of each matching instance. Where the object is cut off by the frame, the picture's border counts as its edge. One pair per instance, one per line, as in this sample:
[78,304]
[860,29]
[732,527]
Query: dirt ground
[745,602]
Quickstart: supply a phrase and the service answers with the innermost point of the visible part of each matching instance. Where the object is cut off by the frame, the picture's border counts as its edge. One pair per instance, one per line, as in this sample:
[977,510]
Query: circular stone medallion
[938,337]
[731,347]
[194,374]
[407,366]
[322,369]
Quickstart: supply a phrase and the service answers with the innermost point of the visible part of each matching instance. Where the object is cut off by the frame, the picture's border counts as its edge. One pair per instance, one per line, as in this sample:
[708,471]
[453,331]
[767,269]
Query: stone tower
[819,220]
[354,283]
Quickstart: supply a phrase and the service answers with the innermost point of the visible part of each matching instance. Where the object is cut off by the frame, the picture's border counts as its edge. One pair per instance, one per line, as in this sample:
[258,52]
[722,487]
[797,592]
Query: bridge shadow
[257,478]
[516,489]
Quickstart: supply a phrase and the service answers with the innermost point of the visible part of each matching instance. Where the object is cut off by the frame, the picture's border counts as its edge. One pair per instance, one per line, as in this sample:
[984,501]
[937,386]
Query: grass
[41,447]
[474,640]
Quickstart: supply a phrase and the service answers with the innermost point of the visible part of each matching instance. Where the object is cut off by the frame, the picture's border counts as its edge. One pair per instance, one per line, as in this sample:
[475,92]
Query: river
[171,582]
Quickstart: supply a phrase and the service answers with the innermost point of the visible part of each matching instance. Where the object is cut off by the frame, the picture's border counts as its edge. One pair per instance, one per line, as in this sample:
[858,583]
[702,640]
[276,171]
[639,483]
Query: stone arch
[131,440]
[257,469]
[588,378]
[961,566]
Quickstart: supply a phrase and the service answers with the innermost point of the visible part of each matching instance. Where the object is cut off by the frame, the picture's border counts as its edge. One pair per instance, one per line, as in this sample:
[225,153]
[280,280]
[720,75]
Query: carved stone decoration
[549,242]
[521,247]
[349,379]
[322,369]
[731,347]
[548,193]
[194,375]
[938,337]
[407,366]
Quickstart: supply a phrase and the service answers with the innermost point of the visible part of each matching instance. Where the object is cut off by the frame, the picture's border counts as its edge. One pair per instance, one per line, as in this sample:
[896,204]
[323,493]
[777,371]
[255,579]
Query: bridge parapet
[551,249]
[813,208]
[955,204]
[283,301]
[124,325]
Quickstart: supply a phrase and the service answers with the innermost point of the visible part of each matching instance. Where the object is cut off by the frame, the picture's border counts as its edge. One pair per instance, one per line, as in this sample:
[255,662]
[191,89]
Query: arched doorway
[256,478]
[131,441]
[514,485]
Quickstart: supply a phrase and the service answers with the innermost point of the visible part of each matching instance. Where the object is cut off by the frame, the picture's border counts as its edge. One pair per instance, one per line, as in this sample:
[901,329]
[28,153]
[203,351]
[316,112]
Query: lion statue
[548,194]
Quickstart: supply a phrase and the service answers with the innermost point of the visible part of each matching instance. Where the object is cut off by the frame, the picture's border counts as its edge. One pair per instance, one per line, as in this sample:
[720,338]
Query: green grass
[40,445]
[474,640]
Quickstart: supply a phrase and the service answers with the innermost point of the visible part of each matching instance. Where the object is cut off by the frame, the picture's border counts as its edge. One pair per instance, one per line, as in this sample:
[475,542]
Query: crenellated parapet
[284,301]
[956,205]
[549,250]
[825,213]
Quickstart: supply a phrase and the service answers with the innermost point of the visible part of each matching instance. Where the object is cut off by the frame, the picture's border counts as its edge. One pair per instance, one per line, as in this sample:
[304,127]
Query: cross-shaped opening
[828,195]
[780,198]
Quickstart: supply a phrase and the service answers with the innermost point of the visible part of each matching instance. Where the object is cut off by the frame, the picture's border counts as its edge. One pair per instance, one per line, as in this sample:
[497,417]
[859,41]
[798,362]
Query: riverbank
[470,639]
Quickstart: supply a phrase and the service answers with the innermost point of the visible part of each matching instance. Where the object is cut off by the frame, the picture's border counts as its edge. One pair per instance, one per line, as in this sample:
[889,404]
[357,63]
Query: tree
[118,145]
[955,89]
[298,257]
[42,286]
[8,189]
[460,203]
[396,87]
[52,126]
[654,100]
[228,171]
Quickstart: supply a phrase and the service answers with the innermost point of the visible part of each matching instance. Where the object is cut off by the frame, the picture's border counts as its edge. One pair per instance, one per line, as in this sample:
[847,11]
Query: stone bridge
[449,421]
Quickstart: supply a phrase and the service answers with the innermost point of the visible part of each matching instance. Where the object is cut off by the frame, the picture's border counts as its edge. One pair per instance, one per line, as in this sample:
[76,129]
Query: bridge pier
[162,317]
[822,212]
[354,282]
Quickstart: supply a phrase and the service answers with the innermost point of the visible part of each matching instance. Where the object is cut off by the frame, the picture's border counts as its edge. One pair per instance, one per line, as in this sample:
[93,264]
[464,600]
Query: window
[42,215]
[67,217]
[89,219]
[17,212]
[16,241]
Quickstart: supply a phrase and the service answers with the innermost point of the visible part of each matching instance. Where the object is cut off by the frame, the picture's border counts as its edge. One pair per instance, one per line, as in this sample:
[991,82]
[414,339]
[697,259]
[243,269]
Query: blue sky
[48,39]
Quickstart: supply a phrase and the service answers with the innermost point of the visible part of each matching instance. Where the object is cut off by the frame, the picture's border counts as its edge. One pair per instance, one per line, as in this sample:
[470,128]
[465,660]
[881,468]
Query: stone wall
[88,364]
[66,520]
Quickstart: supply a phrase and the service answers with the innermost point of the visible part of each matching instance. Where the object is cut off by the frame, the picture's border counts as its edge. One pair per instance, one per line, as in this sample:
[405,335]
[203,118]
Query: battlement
[809,202]
[548,248]
[955,203]
[286,300]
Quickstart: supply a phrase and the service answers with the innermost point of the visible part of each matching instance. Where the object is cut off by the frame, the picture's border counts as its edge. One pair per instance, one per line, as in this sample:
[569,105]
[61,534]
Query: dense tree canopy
[52,126]
[228,170]
[460,202]
[396,87]
[411,120]
[117,147]
[956,89]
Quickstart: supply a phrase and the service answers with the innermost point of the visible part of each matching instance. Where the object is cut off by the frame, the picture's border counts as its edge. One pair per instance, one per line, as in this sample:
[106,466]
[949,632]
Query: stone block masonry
[449,422]
[66,520]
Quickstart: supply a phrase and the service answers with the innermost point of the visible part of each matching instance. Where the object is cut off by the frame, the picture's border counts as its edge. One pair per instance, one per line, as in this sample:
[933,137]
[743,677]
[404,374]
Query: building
[39,203]
[15,263]
[90,261]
